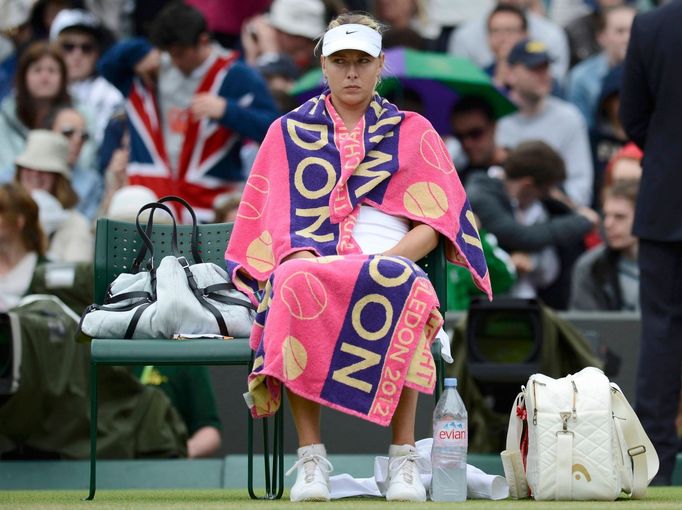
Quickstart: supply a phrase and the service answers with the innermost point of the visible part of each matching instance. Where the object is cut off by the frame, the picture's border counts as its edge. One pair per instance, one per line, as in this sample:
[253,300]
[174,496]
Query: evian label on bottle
[451,433]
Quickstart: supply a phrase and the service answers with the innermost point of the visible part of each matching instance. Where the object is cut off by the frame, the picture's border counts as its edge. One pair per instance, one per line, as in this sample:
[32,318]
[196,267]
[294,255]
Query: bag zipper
[535,402]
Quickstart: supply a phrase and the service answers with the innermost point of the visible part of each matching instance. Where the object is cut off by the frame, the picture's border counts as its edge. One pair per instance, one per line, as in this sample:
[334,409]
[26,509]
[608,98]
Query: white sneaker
[312,480]
[404,483]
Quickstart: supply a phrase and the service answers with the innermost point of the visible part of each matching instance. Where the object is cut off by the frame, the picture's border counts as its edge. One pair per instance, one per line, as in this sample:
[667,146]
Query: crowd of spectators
[107,105]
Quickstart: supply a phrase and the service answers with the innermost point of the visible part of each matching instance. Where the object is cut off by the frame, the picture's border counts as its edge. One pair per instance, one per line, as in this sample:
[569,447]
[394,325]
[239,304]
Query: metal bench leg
[278,454]
[249,429]
[440,377]
[266,457]
[93,431]
[273,463]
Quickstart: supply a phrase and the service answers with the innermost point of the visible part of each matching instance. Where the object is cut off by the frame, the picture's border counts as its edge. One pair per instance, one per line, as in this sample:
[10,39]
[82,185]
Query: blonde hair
[15,202]
[347,18]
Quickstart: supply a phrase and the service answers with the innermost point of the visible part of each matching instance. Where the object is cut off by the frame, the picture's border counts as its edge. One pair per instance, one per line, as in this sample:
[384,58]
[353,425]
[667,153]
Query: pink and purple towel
[347,330]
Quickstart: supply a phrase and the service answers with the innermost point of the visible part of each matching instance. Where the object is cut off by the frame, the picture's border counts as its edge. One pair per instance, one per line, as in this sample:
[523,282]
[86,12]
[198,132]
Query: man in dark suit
[651,113]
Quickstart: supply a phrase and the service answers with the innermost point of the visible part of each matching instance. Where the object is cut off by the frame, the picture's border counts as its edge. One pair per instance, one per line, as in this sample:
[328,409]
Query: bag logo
[579,469]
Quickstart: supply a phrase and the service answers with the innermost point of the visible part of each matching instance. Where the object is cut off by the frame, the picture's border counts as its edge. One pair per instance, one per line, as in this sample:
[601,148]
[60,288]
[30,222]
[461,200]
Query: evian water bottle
[449,451]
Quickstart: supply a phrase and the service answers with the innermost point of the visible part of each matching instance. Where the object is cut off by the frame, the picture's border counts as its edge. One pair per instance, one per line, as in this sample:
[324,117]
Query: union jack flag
[203,162]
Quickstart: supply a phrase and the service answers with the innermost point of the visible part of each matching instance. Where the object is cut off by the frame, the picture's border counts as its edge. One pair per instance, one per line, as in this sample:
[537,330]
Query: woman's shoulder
[417,135]
[9,104]
[416,121]
[13,133]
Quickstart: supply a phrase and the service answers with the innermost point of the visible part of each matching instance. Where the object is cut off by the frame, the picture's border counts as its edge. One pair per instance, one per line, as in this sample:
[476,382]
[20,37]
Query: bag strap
[512,461]
[229,300]
[194,237]
[211,292]
[515,424]
[130,330]
[564,460]
[199,294]
[142,294]
[145,234]
[639,447]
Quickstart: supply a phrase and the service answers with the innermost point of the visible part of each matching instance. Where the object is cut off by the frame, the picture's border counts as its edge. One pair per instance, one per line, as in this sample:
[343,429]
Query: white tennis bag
[576,438]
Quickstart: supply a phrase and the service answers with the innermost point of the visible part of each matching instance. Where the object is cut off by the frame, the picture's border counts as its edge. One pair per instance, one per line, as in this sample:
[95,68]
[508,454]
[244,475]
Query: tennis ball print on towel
[426,199]
[259,253]
[304,295]
[295,358]
[253,207]
[434,152]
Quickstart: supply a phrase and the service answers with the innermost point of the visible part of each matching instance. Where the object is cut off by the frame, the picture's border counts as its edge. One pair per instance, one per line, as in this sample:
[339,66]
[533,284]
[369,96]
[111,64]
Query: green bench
[117,244]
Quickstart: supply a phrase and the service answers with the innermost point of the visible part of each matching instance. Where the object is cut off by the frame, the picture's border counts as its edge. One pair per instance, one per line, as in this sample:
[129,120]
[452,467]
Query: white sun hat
[352,37]
[298,17]
[45,151]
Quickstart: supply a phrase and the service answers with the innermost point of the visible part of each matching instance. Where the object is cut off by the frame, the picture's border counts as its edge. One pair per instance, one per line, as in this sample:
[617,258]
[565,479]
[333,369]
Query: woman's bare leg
[306,415]
[402,424]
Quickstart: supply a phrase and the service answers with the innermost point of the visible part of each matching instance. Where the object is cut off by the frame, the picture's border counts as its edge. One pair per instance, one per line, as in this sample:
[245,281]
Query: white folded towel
[479,484]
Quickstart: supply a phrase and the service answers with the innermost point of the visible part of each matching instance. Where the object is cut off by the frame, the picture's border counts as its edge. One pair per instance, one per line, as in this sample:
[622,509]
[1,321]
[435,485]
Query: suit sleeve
[636,99]
[250,108]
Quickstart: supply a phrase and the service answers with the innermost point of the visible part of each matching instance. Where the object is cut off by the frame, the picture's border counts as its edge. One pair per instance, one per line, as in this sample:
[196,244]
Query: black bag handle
[194,238]
[145,235]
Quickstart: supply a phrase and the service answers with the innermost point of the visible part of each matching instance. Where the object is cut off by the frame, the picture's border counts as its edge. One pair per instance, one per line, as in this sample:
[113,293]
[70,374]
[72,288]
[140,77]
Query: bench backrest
[118,242]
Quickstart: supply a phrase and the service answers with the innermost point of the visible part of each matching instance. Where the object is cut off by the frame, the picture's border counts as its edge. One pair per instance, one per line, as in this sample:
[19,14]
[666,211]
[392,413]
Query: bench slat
[157,352]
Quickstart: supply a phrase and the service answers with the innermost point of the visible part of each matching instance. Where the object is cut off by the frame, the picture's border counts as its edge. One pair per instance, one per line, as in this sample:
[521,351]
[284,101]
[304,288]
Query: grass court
[658,498]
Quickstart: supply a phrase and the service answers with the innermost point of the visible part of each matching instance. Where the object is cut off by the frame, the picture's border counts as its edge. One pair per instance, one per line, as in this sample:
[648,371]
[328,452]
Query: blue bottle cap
[450,382]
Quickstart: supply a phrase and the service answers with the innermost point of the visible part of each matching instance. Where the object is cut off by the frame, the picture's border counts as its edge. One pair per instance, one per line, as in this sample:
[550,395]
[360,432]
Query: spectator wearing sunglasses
[87,182]
[79,35]
[473,124]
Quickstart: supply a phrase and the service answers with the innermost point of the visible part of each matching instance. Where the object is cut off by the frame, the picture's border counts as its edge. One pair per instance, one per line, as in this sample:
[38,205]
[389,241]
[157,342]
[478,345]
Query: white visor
[352,37]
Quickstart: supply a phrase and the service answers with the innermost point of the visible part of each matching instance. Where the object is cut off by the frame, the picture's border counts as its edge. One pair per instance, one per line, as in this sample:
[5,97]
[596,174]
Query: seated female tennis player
[346,193]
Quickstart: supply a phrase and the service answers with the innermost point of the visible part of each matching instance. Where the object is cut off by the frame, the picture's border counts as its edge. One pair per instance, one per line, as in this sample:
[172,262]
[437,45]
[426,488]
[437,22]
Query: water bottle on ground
[450,442]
